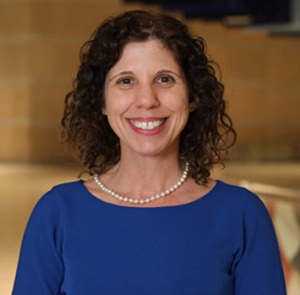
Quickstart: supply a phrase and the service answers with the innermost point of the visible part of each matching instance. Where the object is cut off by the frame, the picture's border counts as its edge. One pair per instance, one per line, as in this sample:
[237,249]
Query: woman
[147,118]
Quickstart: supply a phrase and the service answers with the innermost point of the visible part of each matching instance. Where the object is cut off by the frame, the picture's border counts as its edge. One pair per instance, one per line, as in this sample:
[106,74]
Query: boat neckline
[201,199]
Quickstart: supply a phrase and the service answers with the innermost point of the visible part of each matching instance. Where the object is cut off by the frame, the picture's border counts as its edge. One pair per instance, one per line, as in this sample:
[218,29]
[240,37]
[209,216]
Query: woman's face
[146,99]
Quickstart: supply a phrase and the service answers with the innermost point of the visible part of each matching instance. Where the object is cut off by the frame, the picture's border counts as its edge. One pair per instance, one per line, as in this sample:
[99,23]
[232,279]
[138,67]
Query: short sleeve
[40,268]
[258,268]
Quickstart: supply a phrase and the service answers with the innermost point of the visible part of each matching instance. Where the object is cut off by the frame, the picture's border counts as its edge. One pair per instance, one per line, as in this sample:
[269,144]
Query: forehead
[151,53]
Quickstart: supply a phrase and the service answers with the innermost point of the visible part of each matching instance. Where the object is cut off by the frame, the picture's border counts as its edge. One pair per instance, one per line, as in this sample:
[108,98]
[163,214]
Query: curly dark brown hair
[209,132]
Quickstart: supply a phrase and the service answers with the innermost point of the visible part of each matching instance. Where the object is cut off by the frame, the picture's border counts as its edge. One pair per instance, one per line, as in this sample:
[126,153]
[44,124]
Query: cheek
[181,103]
[110,101]
[116,104]
[185,109]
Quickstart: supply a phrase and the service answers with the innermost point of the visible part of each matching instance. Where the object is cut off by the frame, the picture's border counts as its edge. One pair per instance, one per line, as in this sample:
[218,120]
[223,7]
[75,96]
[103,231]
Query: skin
[147,88]
[146,91]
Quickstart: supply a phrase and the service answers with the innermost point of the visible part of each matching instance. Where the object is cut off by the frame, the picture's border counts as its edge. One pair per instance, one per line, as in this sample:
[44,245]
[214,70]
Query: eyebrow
[170,72]
[121,74]
[130,73]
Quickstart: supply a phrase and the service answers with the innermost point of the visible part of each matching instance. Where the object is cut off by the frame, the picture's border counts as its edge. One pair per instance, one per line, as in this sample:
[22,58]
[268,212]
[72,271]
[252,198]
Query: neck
[140,177]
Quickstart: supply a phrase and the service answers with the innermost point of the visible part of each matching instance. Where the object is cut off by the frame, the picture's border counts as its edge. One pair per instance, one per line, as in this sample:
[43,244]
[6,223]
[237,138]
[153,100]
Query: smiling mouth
[148,125]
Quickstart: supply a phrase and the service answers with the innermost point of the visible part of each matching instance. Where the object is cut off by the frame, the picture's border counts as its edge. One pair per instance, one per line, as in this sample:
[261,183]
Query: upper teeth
[147,125]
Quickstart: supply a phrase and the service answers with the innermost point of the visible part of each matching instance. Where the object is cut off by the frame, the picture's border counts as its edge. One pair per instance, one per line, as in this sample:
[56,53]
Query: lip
[153,131]
[147,119]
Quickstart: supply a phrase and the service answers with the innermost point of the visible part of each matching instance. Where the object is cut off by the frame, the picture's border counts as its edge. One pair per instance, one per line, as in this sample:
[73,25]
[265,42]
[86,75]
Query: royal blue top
[221,244]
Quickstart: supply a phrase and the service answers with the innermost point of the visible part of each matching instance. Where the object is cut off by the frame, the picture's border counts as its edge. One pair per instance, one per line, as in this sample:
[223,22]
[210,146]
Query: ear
[192,106]
[103,110]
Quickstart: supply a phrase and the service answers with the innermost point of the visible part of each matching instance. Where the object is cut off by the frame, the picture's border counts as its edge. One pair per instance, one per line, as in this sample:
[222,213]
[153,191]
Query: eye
[125,81]
[166,80]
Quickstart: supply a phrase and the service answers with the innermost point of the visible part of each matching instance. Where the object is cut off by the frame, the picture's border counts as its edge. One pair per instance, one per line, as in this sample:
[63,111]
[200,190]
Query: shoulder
[58,197]
[236,193]
[63,190]
[246,211]
[241,199]
[52,208]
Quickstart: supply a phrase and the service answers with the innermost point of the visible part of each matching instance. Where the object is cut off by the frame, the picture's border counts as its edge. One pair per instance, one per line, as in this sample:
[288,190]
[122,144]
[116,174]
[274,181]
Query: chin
[150,148]
[152,151]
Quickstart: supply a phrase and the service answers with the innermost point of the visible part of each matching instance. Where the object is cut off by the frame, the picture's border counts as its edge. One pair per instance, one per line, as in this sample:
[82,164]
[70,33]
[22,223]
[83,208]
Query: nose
[146,97]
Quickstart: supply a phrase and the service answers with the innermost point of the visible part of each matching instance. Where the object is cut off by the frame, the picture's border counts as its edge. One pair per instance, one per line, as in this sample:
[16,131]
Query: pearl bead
[147,200]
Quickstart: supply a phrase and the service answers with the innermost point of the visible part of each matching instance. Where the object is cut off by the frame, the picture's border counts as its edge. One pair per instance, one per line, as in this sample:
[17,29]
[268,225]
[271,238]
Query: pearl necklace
[147,200]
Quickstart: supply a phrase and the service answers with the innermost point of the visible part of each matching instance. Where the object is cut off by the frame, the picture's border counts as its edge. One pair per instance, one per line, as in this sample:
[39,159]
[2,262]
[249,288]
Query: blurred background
[256,44]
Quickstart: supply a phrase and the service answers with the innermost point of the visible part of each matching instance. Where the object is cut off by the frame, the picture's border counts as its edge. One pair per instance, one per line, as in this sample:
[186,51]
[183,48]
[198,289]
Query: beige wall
[39,44]
[262,78]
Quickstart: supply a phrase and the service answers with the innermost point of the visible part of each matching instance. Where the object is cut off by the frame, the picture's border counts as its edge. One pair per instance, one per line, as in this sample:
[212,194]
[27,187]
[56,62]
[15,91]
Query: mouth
[149,125]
